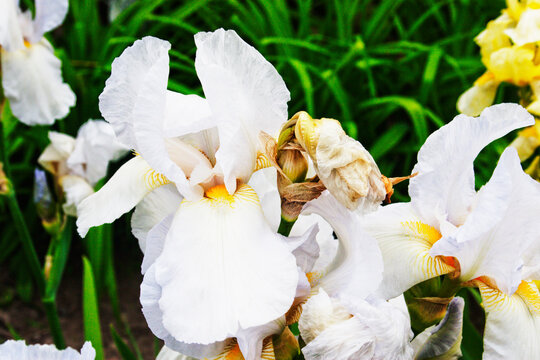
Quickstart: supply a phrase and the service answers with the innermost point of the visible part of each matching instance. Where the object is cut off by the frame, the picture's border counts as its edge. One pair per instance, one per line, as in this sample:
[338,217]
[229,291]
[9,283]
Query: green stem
[285,226]
[54,322]
[28,245]
[26,239]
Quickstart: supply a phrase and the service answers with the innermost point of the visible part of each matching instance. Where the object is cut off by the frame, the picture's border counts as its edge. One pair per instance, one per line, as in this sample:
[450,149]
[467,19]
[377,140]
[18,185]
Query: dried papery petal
[344,166]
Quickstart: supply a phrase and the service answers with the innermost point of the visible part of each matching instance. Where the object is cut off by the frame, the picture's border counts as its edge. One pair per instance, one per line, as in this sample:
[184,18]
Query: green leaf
[388,140]
[92,330]
[123,348]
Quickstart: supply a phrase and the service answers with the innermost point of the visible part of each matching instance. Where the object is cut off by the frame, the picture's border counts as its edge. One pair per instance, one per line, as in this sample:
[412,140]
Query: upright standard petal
[444,190]
[222,269]
[357,267]
[134,102]
[32,82]
[246,95]
[49,15]
[405,242]
[126,188]
[493,239]
[11,37]
[518,315]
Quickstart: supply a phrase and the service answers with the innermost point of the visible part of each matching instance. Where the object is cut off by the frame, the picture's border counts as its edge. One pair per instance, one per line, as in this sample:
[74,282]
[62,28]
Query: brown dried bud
[344,166]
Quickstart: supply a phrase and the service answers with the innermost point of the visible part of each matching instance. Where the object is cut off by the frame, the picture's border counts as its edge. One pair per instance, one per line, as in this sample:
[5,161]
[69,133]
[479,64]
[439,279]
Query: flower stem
[26,241]
[54,322]
[285,226]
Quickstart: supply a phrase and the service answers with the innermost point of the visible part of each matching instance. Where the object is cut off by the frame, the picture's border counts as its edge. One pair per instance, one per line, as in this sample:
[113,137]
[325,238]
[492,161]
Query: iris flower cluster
[254,224]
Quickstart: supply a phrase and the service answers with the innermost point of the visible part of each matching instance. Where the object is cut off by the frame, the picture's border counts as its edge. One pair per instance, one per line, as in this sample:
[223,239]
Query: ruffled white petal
[245,93]
[155,206]
[358,265]
[264,182]
[320,312]
[473,101]
[512,323]
[168,354]
[134,102]
[222,269]
[326,242]
[76,189]
[150,296]
[49,15]
[95,146]
[444,187]
[18,350]
[250,340]
[125,189]
[305,248]
[528,28]
[405,242]
[376,330]
[155,241]
[32,82]
[500,228]
[11,37]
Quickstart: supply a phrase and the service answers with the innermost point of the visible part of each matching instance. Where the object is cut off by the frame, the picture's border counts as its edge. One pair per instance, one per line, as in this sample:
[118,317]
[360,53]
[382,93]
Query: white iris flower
[214,265]
[31,74]
[17,350]
[487,238]
[79,163]
[344,319]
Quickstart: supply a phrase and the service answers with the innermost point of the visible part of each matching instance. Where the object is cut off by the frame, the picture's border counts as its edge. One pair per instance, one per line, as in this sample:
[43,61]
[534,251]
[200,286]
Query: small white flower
[31,75]
[79,163]
[18,350]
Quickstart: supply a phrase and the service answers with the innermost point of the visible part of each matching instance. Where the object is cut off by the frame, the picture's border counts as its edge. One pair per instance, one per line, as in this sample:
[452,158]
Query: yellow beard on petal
[432,266]
[218,195]
[232,351]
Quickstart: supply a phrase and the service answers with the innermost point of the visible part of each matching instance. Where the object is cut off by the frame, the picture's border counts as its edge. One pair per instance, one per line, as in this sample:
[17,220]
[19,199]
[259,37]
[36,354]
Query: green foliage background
[390,70]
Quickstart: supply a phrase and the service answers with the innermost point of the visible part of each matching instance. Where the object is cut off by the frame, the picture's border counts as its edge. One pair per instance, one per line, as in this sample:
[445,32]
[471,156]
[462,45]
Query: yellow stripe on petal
[512,325]
[153,179]
[262,161]
[492,299]
[268,350]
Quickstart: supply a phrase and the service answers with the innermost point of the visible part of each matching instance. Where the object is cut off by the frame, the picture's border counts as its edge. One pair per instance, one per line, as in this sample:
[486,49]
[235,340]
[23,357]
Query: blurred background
[390,70]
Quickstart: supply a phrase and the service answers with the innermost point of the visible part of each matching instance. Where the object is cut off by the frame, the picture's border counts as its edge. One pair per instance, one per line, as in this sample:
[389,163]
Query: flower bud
[344,166]
[4,182]
[45,205]
[293,163]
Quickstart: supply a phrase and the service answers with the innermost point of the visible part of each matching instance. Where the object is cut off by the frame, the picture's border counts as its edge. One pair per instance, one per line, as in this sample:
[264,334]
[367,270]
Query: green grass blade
[123,349]
[92,329]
